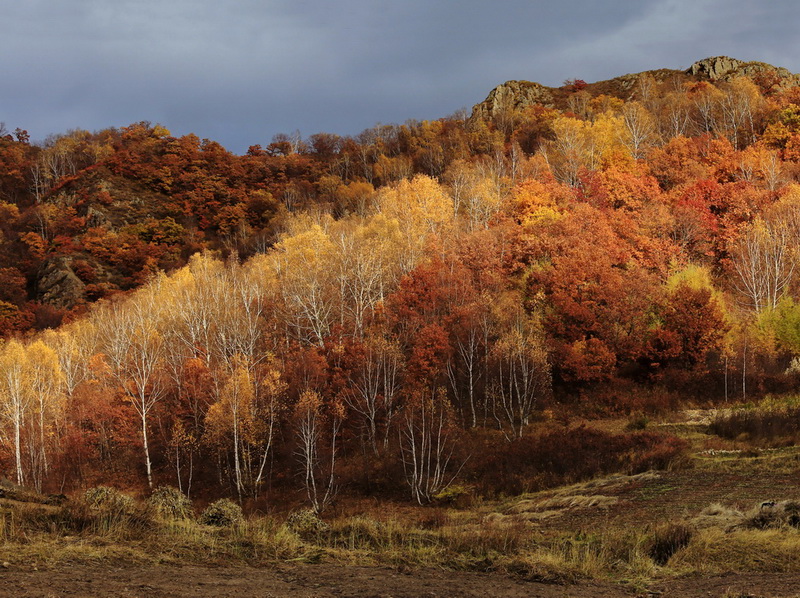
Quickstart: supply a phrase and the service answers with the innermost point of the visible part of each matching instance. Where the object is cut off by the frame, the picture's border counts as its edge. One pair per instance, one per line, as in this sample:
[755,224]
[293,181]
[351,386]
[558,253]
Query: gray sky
[239,71]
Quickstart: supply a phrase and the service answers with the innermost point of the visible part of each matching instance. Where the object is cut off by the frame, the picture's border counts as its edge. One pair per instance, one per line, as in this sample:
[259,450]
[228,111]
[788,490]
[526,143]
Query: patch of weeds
[654,491]
[771,514]
[306,524]
[637,422]
[170,502]
[667,540]
[222,513]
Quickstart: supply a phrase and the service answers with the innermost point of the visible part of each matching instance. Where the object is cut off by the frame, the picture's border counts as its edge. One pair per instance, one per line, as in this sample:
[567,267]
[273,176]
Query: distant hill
[520,94]
[86,215]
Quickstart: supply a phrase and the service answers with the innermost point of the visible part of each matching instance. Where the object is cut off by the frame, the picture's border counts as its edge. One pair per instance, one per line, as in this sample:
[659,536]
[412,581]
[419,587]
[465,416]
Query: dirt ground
[324,580]
[293,581]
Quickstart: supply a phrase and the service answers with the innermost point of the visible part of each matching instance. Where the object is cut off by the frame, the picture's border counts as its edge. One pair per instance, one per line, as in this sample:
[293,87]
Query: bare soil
[324,580]
[289,581]
[627,501]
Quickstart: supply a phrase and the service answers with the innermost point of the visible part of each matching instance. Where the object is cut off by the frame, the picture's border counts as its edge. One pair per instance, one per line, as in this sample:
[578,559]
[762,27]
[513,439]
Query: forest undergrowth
[629,528]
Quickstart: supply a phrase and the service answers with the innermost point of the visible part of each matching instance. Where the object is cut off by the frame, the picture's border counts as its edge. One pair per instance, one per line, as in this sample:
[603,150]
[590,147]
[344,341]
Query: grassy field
[732,505]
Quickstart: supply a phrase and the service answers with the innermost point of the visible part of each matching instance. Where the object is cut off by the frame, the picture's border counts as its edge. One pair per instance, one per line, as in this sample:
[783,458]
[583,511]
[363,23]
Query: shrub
[772,514]
[108,500]
[667,540]
[638,422]
[453,494]
[170,502]
[306,523]
[222,513]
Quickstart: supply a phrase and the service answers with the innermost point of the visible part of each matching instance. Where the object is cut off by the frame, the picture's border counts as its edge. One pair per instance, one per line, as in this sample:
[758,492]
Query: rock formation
[57,284]
[514,95]
[724,68]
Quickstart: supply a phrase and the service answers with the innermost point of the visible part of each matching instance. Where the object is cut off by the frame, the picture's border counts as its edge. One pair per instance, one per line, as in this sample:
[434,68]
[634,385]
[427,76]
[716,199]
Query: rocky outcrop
[57,284]
[513,95]
[96,218]
[725,68]
[714,68]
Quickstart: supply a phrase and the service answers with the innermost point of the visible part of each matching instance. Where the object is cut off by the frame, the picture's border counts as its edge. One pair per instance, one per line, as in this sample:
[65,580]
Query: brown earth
[323,580]
[676,496]
[290,581]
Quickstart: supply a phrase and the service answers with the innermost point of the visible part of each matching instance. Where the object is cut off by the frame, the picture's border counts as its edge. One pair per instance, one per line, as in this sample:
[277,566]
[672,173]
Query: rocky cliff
[520,94]
[725,68]
[515,95]
[57,283]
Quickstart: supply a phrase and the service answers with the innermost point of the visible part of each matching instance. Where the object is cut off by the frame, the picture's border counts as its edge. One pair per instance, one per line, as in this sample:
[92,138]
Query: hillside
[419,312]
[153,200]
[553,342]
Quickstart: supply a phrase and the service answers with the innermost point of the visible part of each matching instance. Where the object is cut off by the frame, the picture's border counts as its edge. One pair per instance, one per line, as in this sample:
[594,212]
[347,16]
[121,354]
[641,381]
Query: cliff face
[520,94]
[514,95]
[724,68]
[57,283]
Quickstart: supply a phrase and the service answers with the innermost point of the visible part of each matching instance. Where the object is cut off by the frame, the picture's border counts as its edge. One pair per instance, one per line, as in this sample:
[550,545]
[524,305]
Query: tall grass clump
[613,554]
[668,539]
[107,511]
[713,551]
[170,503]
[222,513]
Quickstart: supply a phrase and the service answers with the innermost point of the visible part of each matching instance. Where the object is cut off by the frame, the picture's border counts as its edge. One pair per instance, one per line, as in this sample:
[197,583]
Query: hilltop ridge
[519,94]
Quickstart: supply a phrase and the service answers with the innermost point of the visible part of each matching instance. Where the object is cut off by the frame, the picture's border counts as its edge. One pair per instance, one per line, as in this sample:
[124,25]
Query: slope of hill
[623,249]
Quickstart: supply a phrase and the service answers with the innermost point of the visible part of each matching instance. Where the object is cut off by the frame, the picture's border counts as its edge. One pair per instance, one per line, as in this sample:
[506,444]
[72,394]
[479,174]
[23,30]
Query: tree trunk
[146,452]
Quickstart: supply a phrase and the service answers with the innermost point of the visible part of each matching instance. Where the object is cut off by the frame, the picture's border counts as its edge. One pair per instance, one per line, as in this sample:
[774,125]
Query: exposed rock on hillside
[714,68]
[57,284]
[724,68]
[515,95]
[96,218]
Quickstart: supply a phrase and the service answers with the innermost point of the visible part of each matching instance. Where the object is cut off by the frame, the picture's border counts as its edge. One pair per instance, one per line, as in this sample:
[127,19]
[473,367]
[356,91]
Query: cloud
[243,70]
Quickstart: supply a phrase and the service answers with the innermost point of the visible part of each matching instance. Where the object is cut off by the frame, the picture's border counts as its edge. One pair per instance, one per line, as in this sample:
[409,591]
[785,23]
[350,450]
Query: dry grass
[611,555]
[463,540]
[466,541]
[534,536]
[718,516]
[713,542]
[715,551]
[589,495]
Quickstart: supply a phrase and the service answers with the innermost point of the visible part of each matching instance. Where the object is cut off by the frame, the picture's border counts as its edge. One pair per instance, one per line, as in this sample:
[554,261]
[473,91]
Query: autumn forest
[412,313]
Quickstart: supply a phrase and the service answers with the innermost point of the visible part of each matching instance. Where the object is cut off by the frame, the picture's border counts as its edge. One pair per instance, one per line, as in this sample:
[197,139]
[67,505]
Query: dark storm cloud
[242,70]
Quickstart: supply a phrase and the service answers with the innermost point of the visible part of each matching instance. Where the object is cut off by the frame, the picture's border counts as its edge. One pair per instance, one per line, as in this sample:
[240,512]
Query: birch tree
[15,399]
[135,347]
[46,387]
[765,260]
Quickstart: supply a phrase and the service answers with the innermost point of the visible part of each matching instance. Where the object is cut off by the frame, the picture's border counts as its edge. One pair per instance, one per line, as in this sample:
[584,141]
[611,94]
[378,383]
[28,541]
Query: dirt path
[318,581]
[289,581]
